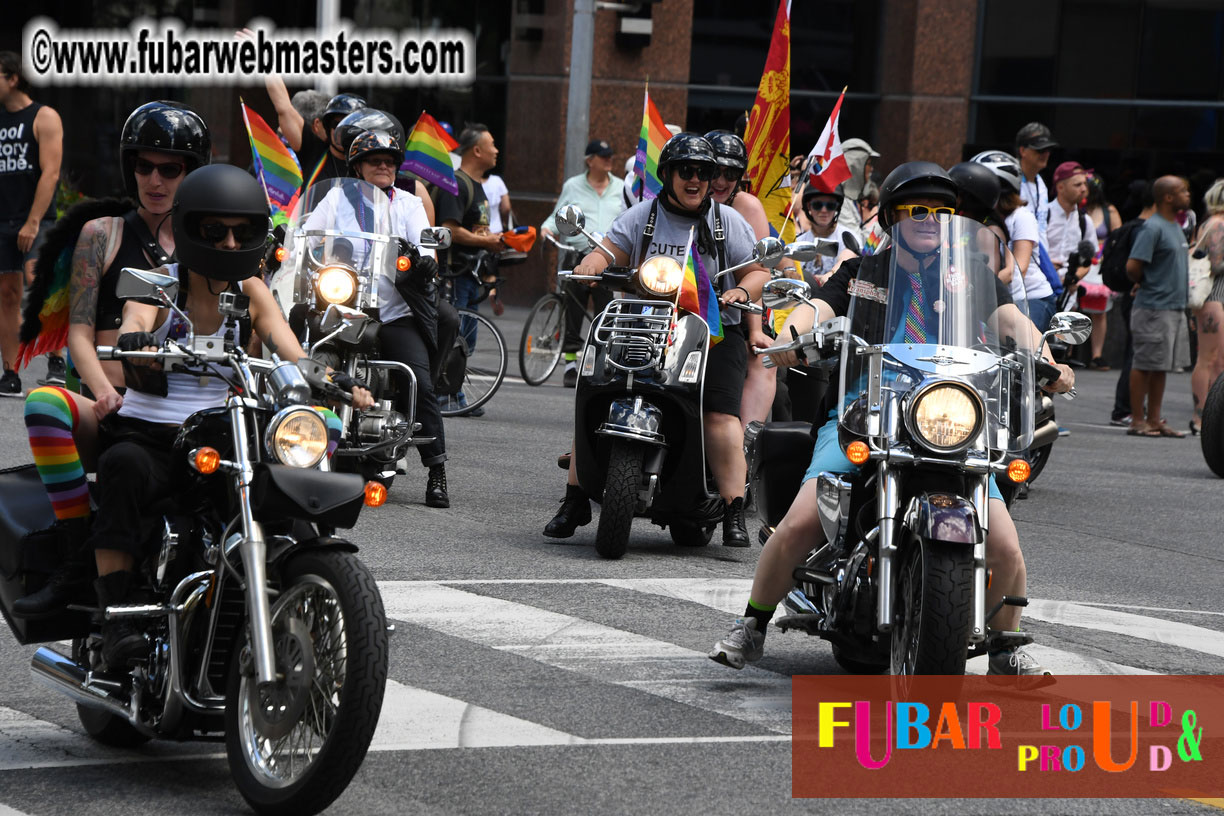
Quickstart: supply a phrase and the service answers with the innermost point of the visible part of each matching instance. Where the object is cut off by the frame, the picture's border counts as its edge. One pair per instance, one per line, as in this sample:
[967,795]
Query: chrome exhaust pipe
[62,674]
[1044,435]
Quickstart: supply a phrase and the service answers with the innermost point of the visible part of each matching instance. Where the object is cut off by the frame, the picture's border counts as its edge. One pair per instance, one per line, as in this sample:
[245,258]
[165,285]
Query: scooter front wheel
[619,503]
[690,535]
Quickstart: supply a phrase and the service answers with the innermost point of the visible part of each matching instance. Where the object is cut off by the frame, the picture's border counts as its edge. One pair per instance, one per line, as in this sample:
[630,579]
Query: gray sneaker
[743,644]
[1015,661]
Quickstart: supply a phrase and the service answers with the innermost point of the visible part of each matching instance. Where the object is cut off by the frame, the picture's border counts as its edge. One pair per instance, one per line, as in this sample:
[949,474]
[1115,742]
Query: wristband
[745,291]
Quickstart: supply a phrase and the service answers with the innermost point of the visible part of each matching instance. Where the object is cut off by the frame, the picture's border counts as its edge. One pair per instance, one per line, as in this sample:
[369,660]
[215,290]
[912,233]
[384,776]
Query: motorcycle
[639,431]
[900,583]
[327,287]
[263,628]
[1212,434]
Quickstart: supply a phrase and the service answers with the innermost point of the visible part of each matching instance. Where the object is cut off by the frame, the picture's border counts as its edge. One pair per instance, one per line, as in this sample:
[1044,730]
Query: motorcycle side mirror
[1072,328]
[810,250]
[146,285]
[437,238]
[781,291]
[570,220]
[768,252]
[336,315]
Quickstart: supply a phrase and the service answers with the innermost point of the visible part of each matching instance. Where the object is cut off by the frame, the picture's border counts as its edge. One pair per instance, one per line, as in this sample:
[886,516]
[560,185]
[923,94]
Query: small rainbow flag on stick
[650,144]
[427,154]
[697,293]
[276,166]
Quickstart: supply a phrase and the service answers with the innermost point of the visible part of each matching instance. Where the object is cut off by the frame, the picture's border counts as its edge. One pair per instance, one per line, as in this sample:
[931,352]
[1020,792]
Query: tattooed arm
[1213,241]
[89,259]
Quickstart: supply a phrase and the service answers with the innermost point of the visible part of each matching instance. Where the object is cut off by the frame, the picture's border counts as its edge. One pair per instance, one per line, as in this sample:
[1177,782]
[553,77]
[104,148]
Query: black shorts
[13,259]
[726,367]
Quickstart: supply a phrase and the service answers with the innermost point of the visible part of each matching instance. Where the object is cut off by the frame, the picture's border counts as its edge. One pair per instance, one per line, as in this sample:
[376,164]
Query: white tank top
[185,393]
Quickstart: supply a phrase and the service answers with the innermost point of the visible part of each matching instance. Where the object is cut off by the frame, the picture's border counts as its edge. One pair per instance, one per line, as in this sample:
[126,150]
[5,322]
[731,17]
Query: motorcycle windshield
[932,307]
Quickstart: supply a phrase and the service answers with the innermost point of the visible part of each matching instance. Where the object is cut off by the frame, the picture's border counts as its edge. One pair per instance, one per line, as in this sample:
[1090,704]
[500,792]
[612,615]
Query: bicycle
[474,369]
[540,346]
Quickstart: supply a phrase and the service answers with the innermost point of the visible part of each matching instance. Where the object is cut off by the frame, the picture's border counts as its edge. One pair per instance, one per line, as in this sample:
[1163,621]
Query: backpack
[1117,251]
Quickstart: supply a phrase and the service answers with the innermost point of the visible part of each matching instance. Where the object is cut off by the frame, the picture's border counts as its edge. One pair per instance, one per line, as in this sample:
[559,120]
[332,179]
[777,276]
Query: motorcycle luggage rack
[635,333]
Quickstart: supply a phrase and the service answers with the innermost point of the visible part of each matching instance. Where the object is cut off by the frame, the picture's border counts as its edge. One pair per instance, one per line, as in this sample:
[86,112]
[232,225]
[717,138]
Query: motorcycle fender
[333,499]
[944,517]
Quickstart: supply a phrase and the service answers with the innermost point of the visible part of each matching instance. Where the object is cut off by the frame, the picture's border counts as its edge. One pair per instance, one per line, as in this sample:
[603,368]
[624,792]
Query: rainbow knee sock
[51,417]
[334,429]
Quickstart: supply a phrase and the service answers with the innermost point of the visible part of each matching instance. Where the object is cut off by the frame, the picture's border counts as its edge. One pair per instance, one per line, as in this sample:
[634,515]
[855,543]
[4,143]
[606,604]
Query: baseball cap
[1068,169]
[598,147]
[1035,136]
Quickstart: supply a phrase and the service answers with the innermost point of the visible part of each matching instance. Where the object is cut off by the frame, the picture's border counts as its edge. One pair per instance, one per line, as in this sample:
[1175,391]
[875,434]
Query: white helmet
[1003,165]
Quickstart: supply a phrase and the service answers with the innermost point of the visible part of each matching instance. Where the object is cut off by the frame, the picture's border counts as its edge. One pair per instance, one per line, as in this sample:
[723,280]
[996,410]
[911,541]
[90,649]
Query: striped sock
[50,418]
[334,428]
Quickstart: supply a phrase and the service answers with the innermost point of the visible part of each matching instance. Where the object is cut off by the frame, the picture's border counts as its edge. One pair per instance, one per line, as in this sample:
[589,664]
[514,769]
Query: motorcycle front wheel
[540,345]
[933,602]
[293,748]
[1212,434]
[619,503]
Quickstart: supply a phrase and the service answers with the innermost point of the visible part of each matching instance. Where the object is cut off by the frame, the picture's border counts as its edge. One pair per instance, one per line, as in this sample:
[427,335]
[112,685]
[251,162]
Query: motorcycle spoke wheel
[540,345]
[487,360]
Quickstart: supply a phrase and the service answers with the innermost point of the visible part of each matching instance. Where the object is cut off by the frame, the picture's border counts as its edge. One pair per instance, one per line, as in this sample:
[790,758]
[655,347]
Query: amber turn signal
[858,452]
[402,263]
[375,494]
[281,254]
[1018,470]
[205,460]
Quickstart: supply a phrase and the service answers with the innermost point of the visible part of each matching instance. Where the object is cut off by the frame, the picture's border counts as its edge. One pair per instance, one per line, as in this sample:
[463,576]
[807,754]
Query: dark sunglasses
[168,170]
[381,161]
[703,172]
[831,206]
[919,212]
[214,232]
[732,174]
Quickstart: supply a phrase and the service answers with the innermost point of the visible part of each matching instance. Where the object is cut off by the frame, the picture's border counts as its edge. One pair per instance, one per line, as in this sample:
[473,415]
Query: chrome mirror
[438,238]
[146,285]
[780,291]
[570,220]
[768,252]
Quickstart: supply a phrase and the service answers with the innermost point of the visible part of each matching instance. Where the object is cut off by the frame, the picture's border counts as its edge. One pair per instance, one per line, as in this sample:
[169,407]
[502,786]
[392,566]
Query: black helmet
[227,191]
[167,127]
[374,141]
[810,192]
[686,147]
[353,125]
[918,179]
[978,185]
[729,149]
[340,106]
[1003,165]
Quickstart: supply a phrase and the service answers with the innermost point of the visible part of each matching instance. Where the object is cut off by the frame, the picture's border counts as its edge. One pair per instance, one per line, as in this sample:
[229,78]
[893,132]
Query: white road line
[1170,633]
[1150,608]
[601,652]
[5,810]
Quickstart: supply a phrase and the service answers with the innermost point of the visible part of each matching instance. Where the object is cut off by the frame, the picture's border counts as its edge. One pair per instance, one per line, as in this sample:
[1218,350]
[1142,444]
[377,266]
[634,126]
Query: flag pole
[807,168]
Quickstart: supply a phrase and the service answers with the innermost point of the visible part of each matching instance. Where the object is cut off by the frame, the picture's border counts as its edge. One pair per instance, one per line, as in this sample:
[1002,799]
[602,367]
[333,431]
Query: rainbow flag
[875,238]
[650,144]
[276,166]
[427,154]
[697,293]
[768,133]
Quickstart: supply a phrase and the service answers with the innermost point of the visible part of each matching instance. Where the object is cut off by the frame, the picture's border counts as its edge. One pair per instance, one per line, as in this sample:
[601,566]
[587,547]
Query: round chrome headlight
[945,417]
[297,437]
[336,284]
[661,275]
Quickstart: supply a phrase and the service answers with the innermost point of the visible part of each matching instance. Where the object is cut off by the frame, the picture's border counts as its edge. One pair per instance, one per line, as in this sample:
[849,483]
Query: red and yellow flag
[768,133]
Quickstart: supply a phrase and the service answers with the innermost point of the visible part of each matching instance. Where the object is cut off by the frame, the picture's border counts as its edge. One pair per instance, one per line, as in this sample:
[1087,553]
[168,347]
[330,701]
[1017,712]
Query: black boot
[575,511]
[122,642]
[735,534]
[435,488]
[70,579]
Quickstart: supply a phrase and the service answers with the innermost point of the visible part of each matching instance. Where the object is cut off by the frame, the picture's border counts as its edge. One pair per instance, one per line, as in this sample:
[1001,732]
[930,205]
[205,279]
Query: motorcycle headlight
[661,275]
[336,284]
[297,437]
[945,417]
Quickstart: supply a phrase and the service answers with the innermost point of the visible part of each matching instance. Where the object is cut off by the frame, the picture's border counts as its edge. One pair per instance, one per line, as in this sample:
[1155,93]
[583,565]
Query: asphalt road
[532,677]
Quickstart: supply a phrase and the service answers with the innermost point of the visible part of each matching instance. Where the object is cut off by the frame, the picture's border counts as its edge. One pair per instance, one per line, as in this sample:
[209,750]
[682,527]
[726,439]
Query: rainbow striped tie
[915,324]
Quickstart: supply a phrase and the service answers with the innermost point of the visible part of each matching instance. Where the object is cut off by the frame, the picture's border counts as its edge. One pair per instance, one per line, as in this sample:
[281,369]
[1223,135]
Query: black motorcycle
[263,627]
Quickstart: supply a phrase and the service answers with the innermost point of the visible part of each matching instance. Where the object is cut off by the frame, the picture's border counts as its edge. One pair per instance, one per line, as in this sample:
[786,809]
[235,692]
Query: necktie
[915,323]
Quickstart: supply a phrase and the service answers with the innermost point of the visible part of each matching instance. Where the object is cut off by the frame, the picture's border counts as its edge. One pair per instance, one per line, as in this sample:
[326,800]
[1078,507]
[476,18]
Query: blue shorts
[829,457]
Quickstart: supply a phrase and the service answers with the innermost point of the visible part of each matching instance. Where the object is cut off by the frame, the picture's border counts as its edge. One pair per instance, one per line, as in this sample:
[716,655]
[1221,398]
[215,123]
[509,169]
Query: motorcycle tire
[540,346]
[933,599]
[619,503]
[1037,460]
[1211,437]
[329,617]
[853,666]
[690,535]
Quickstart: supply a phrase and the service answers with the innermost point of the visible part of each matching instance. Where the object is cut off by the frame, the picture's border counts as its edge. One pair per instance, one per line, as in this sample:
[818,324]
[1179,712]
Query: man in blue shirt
[1159,263]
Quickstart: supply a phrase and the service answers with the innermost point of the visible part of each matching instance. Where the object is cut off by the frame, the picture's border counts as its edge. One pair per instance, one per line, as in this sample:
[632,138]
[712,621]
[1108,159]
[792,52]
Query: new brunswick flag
[697,293]
[768,133]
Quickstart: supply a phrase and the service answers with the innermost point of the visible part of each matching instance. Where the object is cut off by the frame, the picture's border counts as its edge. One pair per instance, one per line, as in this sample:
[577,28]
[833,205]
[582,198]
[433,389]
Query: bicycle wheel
[543,333]
[486,363]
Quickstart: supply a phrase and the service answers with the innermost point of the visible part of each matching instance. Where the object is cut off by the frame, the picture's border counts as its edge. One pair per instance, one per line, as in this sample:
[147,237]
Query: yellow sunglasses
[919,212]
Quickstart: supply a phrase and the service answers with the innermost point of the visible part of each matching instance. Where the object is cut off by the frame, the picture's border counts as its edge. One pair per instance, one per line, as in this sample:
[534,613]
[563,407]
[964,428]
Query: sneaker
[743,644]
[575,512]
[56,372]
[1120,422]
[10,385]
[570,378]
[734,531]
[1015,661]
[1064,431]
[478,411]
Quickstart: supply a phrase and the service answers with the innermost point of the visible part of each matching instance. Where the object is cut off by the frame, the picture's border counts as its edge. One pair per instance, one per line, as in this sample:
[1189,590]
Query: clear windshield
[932,306]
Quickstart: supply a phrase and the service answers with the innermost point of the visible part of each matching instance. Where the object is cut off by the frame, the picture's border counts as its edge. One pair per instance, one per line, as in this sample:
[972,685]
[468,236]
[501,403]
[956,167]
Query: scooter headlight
[297,437]
[660,275]
[336,284]
[945,417]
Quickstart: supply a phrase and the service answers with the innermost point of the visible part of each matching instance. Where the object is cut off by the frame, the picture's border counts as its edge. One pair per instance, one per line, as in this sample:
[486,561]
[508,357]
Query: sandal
[1099,364]
[1141,430]
[1163,429]
[1196,427]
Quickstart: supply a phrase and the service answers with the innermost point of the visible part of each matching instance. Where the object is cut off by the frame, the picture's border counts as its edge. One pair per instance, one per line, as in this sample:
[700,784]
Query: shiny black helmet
[729,149]
[167,127]
[686,147]
[918,179]
[340,106]
[978,185]
[374,141]
[229,192]
[359,121]
[810,193]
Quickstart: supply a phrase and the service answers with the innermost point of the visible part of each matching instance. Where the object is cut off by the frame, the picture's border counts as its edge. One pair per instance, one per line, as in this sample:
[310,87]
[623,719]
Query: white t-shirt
[823,263]
[1022,226]
[1064,235]
[494,189]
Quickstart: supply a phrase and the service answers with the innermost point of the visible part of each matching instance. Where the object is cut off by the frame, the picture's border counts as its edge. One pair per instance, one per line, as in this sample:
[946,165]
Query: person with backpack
[1113,272]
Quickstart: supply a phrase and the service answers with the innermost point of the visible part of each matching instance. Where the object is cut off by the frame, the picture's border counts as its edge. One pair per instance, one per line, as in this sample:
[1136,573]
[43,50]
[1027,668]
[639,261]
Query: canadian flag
[827,166]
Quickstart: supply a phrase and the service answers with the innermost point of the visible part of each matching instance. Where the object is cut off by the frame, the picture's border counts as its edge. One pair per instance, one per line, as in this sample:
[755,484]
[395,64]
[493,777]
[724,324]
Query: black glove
[141,377]
[419,276]
[344,381]
[135,341]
